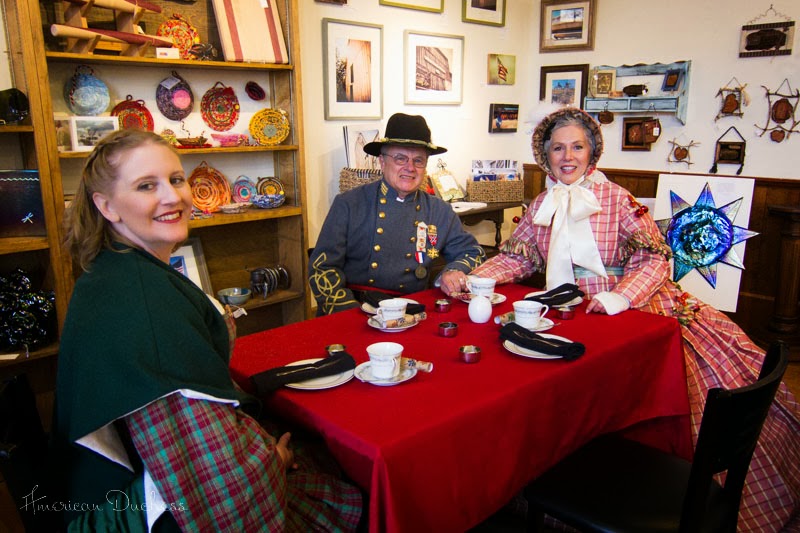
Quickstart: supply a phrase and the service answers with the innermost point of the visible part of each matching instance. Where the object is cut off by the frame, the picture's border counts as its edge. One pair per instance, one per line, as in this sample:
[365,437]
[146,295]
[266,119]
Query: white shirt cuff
[612,302]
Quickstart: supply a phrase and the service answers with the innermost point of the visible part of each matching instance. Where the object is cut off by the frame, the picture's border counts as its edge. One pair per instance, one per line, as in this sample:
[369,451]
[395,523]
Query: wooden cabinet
[663,96]
[232,244]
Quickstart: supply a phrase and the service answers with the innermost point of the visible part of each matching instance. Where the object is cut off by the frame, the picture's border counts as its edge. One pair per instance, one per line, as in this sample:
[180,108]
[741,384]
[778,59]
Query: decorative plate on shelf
[85,93]
[182,34]
[220,107]
[269,186]
[174,97]
[243,189]
[210,188]
[269,126]
[133,114]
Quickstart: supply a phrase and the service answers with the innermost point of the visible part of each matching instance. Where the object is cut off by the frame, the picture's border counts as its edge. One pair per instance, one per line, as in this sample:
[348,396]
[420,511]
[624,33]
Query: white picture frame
[352,70]
[190,261]
[86,132]
[434,68]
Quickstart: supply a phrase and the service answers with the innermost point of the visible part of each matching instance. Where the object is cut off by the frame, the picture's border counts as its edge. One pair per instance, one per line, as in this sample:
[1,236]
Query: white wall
[647,31]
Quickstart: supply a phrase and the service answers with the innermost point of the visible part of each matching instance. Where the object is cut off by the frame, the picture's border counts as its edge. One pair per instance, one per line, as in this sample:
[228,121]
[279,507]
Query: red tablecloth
[443,451]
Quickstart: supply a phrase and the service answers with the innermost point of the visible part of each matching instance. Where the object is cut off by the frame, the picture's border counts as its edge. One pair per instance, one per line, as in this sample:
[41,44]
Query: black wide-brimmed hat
[405,130]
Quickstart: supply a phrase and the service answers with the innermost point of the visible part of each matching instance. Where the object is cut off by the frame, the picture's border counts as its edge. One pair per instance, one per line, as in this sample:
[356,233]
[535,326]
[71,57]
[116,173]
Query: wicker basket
[495,191]
[350,178]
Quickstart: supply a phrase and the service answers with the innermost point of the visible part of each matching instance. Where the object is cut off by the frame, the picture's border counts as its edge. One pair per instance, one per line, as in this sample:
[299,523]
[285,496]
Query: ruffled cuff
[612,302]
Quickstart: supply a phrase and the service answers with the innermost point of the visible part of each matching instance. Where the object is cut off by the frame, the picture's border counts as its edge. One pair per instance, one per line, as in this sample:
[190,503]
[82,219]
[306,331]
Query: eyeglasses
[402,160]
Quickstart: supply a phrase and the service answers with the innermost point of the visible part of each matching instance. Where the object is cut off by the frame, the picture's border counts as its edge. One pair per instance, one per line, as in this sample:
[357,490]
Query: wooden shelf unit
[232,244]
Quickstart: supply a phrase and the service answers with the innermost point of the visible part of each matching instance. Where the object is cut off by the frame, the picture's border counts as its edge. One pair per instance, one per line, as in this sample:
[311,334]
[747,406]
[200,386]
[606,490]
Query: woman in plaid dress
[587,230]
[153,434]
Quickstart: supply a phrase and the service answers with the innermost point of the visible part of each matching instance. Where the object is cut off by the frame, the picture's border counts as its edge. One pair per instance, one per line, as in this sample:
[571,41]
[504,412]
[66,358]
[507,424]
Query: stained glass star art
[702,235]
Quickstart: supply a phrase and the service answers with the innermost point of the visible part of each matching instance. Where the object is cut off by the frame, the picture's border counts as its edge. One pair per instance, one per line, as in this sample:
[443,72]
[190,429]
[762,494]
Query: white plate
[377,325]
[364,373]
[544,325]
[524,352]
[574,301]
[370,310]
[494,300]
[325,382]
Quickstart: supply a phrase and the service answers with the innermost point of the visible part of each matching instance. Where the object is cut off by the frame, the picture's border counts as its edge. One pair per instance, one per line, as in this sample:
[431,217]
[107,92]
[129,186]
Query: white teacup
[481,286]
[392,309]
[384,359]
[529,314]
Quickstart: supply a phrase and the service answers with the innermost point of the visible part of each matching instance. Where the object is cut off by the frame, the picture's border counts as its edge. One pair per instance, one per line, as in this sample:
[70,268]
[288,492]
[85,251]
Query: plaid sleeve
[216,468]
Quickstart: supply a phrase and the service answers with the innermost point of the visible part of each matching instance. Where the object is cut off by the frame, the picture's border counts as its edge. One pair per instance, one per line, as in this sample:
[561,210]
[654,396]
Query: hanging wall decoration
[174,97]
[219,107]
[733,98]
[781,113]
[729,152]
[181,32]
[681,153]
[760,38]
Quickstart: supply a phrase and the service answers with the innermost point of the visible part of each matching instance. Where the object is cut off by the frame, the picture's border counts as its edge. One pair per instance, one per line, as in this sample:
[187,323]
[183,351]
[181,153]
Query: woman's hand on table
[453,282]
[286,455]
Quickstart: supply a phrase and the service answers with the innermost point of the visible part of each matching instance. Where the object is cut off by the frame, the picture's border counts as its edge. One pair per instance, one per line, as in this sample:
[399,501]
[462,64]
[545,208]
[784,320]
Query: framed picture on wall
[434,6]
[189,261]
[352,69]
[566,25]
[603,82]
[503,118]
[86,132]
[564,84]
[490,12]
[434,68]
[633,134]
[771,39]
[501,69]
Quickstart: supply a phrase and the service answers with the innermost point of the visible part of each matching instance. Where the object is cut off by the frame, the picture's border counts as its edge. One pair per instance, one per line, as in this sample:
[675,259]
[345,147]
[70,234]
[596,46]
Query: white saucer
[377,325]
[326,382]
[370,310]
[494,300]
[544,325]
[364,373]
[524,352]
[574,301]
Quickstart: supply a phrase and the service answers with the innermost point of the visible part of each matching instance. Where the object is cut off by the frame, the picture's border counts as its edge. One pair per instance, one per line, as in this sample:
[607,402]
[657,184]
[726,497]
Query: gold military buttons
[373,266]
[408,255]
[407,270]
[377,247]
[381,215]
[382,200]
[379,231]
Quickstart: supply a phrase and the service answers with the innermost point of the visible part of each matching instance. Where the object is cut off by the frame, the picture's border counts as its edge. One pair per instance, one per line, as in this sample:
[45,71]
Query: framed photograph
[490,12]
[633,134]
[352,67]
[356,136]
[189,261]
[564,84]
[672,80]
[772,39]
[446,187]
[85,132]
[63,132]
[434,6]
[434,68]
[603,82]
[503,118]
[501,69]
[566,25]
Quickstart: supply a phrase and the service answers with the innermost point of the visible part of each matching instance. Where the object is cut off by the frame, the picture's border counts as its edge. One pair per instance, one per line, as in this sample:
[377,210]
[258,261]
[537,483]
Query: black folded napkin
[374,298]
[527,339]
[274,378]
[558,296]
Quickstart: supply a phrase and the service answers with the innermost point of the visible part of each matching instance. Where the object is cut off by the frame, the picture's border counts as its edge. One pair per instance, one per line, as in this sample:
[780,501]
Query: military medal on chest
[421,246]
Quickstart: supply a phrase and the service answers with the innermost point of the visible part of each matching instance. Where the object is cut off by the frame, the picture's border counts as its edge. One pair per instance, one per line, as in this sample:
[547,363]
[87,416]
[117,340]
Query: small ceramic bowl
[234,295]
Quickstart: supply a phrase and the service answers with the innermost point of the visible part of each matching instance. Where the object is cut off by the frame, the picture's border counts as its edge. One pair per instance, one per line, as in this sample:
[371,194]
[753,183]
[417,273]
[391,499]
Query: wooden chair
[25,456]
[614,484]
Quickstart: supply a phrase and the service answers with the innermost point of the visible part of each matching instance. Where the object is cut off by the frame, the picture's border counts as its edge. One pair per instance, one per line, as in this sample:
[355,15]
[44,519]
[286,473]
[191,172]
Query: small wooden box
[495,191]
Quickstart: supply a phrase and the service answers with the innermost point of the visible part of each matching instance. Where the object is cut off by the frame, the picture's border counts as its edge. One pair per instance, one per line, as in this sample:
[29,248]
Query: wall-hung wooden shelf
[656,100]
